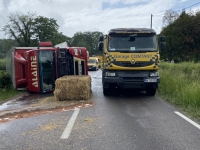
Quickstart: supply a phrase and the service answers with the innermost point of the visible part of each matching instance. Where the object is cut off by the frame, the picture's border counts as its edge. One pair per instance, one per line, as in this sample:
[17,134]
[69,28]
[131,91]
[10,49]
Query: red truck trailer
[36,68]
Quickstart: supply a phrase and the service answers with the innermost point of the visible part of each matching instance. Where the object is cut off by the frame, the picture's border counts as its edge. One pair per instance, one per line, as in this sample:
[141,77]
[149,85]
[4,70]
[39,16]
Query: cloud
[182,1]
[89,15]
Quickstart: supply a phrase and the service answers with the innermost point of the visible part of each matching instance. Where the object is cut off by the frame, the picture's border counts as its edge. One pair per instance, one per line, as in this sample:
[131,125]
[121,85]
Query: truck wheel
[106,92]
[151,91]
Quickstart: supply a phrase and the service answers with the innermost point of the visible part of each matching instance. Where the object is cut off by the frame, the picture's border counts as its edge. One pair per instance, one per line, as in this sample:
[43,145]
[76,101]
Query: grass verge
[3,64]
[7,93]
[180,85]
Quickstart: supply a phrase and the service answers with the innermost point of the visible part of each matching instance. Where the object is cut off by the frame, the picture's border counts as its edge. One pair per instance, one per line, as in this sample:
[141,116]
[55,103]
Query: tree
[6,44]
[59,38]
[182,37]
[169,17]
[45,29]
[29,29]
[87,39]
[20,28]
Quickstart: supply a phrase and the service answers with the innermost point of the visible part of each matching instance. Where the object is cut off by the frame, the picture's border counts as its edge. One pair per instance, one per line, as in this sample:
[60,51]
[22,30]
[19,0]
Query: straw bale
[73,88]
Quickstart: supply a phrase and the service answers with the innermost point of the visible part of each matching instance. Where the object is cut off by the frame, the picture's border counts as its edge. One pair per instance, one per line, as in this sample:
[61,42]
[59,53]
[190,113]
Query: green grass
[3,64]
[3,60]
[180,85]
[7,93]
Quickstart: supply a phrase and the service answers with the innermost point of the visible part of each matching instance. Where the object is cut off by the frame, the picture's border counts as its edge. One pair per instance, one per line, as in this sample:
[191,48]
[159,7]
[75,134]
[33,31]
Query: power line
[179,10]
[188,7]
[174,11]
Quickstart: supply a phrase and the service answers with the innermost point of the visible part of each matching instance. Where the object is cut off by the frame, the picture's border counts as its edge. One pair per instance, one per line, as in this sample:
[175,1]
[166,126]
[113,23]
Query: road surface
[121,121]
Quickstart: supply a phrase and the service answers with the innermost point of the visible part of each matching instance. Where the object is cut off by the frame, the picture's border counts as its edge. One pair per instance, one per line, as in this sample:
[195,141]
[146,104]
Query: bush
[1,55]
[5,81]
[2,66]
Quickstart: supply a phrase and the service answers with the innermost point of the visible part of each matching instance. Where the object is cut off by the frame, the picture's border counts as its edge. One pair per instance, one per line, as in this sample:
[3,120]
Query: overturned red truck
[36,68]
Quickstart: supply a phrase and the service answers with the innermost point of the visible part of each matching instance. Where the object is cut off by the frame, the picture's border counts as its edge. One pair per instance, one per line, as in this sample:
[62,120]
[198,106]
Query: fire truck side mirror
[101,46]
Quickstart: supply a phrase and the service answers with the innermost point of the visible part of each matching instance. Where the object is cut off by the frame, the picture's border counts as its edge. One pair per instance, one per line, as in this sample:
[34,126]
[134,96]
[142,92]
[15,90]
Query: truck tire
[106,92]
[151,91]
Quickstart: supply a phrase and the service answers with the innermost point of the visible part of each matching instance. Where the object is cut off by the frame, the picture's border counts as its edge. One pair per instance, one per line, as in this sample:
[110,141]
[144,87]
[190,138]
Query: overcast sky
[95,15]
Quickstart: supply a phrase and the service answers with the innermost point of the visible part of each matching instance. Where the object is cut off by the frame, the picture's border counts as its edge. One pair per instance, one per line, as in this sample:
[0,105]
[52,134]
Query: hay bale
[73,88]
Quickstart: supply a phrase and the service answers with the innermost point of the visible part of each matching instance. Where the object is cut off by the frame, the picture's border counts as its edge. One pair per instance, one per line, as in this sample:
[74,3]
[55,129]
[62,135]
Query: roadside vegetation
[6,88]
[180,85]
[182,36]
[2,63]
[7,93]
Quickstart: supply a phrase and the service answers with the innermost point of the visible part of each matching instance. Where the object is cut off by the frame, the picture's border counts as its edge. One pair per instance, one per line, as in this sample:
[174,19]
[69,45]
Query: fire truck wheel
[150,91]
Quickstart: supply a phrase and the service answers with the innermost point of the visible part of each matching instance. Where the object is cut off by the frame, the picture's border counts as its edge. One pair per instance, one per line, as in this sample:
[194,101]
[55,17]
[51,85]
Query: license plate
[150,80]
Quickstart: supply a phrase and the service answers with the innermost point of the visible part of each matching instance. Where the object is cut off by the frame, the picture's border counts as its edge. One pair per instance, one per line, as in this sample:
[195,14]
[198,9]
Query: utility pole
[151,20]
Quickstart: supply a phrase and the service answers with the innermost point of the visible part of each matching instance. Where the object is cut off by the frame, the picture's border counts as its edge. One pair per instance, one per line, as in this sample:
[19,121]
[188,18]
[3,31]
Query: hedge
[5,81]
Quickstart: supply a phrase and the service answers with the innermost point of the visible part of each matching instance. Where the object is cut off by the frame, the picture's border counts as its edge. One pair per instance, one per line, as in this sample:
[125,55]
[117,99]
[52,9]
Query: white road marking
[96,74]
[70,124]
[187,119]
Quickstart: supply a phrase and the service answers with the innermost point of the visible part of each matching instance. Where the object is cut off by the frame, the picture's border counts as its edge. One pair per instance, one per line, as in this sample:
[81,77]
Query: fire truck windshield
[133,43]
[47,70]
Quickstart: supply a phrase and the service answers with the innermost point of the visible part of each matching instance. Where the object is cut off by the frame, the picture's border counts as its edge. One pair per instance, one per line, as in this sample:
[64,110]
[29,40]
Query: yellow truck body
[93,63]
[131,59]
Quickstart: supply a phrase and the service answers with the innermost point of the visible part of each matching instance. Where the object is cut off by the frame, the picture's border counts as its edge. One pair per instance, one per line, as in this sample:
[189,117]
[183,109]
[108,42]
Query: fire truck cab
[36,68]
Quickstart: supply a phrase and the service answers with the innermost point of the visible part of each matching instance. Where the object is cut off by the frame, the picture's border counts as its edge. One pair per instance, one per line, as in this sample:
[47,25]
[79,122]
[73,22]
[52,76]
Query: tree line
[181,31]
[182,36]
[27,30]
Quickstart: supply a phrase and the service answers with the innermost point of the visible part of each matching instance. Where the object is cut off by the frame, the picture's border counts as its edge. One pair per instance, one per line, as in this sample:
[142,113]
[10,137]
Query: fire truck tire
[106,92]
[151,91]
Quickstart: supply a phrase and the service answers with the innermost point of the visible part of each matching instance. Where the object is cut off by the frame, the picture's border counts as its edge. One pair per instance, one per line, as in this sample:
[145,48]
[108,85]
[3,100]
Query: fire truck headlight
[154,74]
[110,74]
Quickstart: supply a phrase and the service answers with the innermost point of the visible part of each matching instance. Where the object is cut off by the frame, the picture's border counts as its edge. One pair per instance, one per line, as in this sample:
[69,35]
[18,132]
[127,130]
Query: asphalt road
[121,121]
